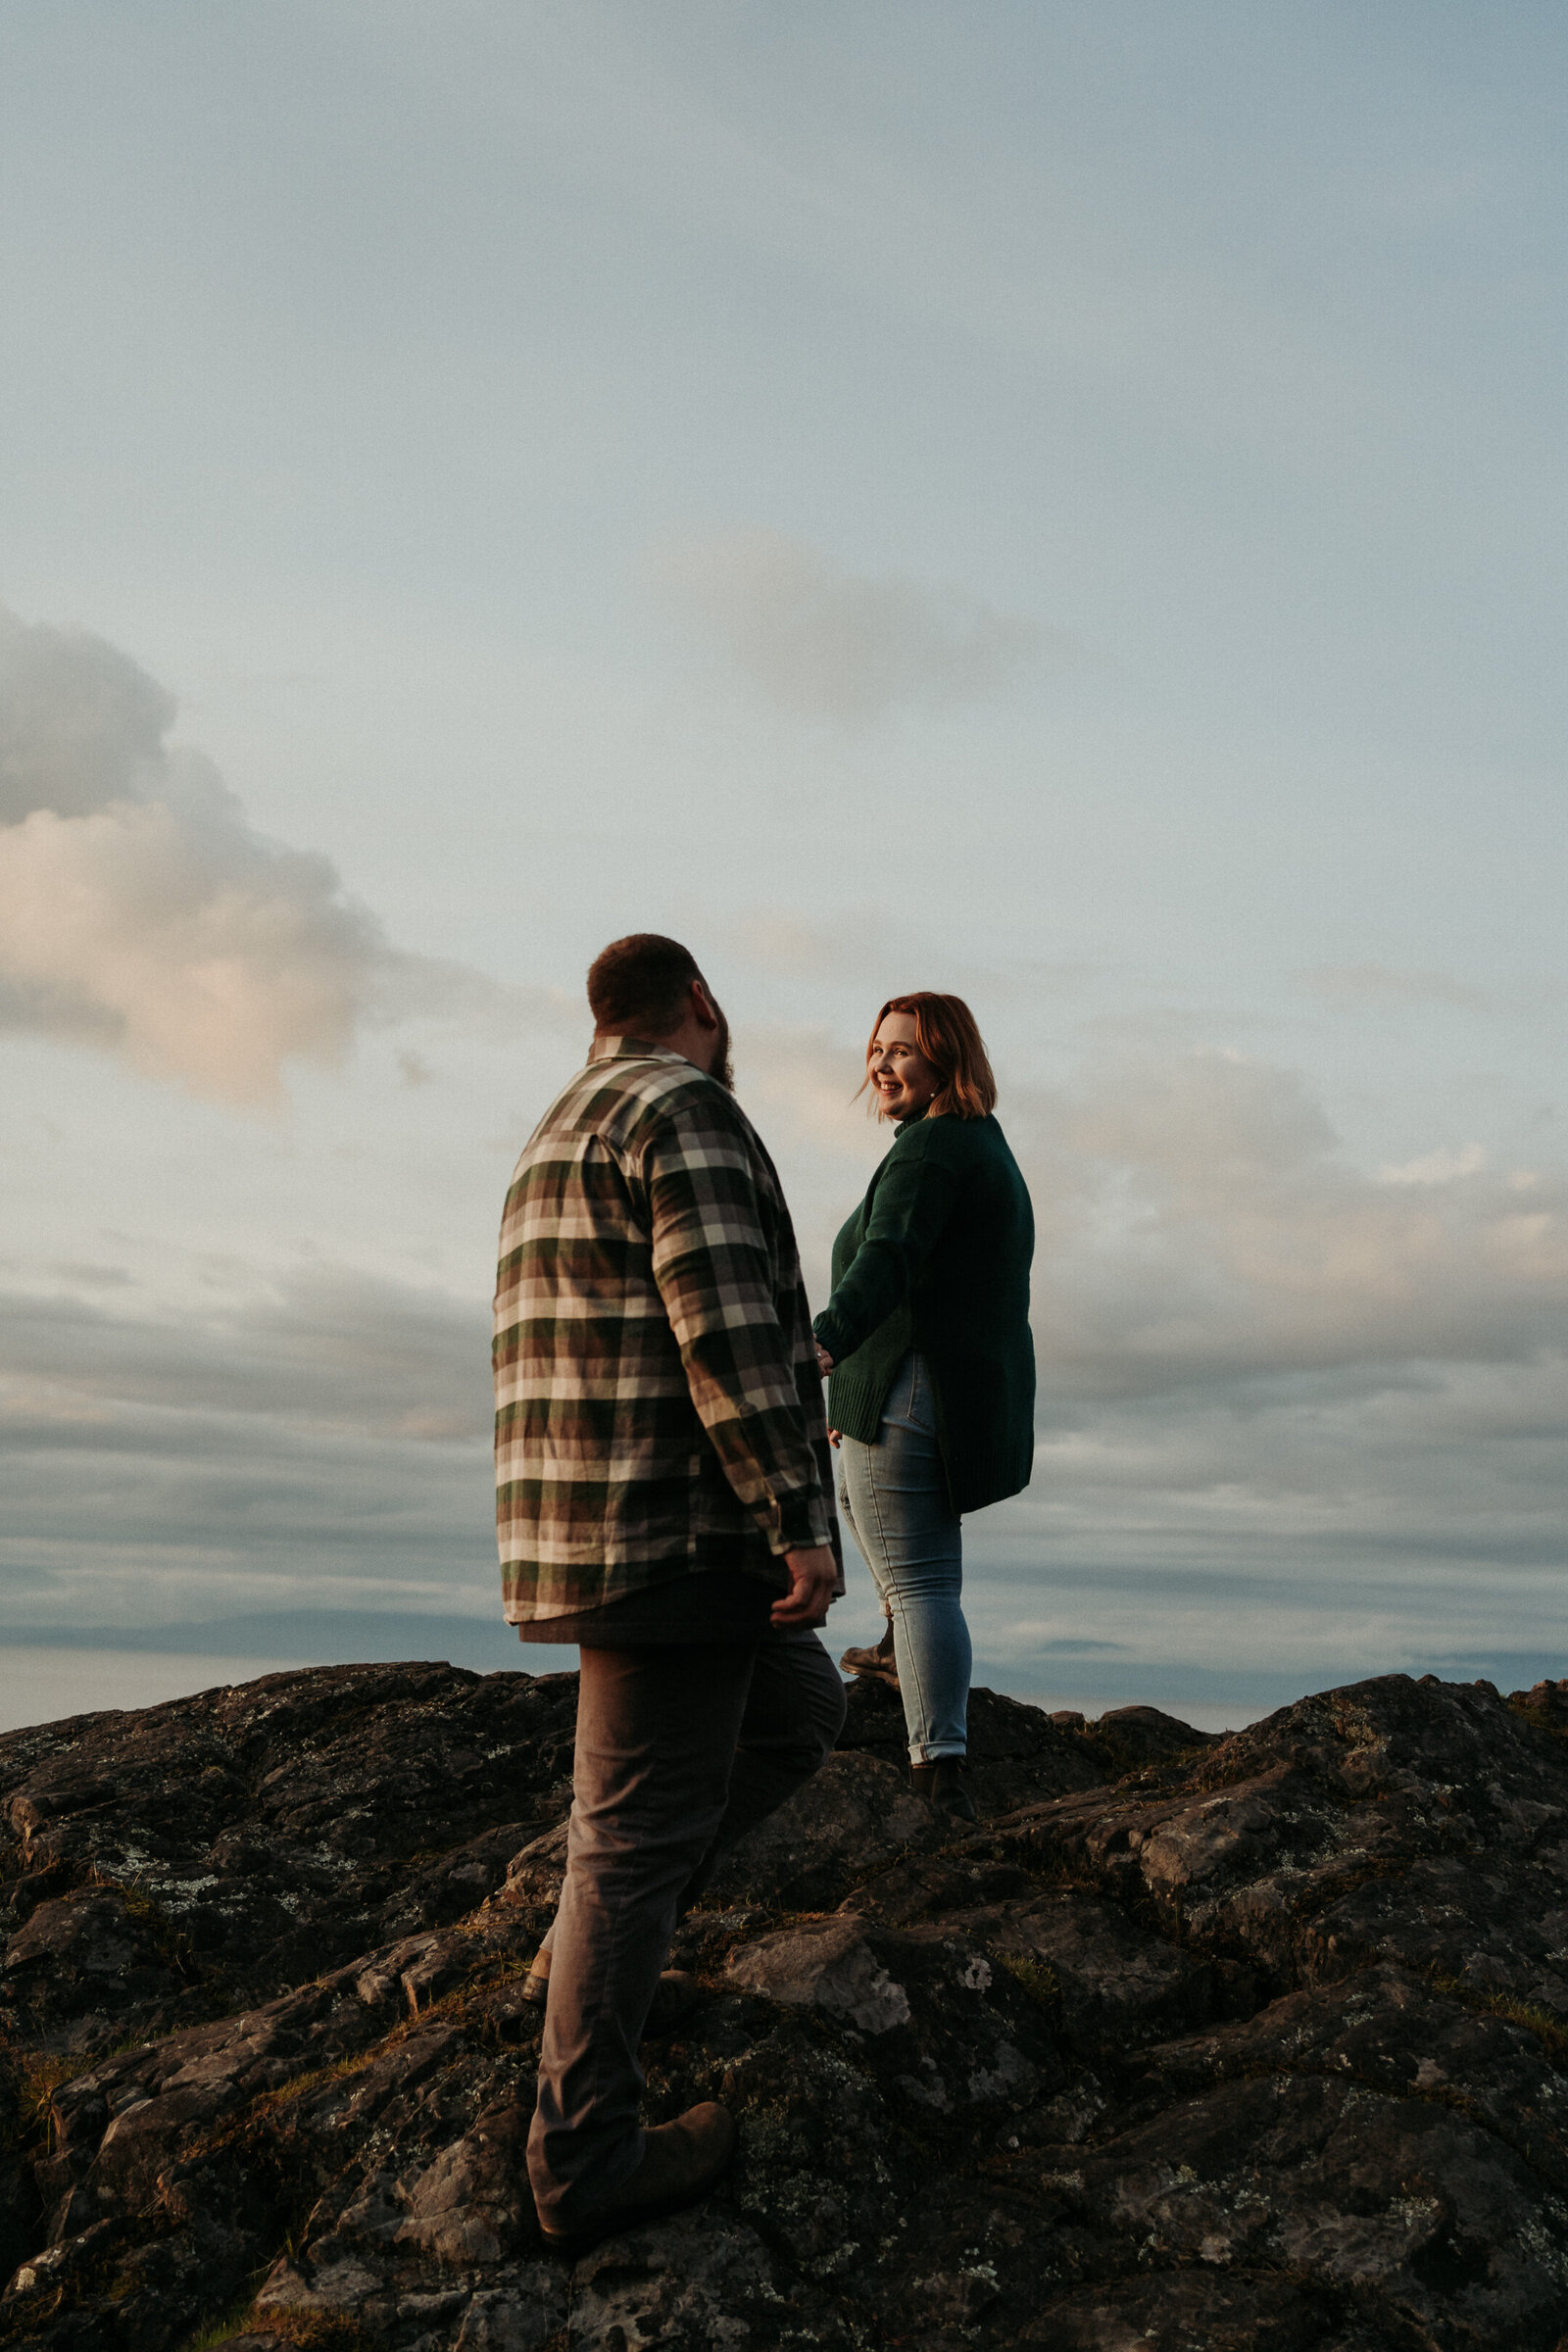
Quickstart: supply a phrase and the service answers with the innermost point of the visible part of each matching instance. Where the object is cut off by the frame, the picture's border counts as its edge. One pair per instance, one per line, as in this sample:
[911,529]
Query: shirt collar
[632,1049]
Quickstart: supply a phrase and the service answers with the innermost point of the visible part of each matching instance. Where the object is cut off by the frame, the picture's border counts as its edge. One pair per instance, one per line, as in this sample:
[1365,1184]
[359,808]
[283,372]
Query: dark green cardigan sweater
[936,1259]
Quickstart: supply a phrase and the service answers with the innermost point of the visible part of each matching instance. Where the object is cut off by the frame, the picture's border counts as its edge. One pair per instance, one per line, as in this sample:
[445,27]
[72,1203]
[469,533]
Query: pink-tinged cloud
[141,914]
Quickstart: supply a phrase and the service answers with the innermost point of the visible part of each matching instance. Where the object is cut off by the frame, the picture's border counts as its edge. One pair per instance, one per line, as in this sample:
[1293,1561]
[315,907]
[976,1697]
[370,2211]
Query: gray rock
[827,1964]
[1191,2046]
[855,1816]
[520,2314]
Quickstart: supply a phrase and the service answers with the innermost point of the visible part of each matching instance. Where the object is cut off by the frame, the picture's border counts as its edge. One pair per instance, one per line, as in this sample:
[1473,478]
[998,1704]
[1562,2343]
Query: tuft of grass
[236,2321]
[300,2086]
[1548,2030]
[1038,1979]
[39,2076]
[1538,1719]
[321,2330]
[39,2079]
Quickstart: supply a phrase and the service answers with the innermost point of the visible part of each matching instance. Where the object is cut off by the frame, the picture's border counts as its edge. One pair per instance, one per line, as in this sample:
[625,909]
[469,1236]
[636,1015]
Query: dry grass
[41,2076]
[323,2330]
[1548,2030]
[1038,1979]
[218,2332]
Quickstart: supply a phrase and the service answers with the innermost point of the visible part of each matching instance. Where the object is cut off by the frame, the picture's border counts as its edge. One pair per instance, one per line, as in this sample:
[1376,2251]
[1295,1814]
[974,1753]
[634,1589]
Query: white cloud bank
[813,638]
[1299,1420]
[1200,1223]
[141,912]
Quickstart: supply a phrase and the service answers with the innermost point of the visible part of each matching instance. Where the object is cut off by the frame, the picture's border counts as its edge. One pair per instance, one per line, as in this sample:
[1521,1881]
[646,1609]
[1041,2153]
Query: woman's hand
[824,1364]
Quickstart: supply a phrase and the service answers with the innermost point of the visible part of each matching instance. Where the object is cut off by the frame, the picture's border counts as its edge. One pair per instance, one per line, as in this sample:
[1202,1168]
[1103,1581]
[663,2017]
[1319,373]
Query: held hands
[812,1576]
[824,1364]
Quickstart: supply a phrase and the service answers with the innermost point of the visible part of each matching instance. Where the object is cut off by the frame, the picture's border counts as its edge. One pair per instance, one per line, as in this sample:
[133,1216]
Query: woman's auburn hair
[948,1036]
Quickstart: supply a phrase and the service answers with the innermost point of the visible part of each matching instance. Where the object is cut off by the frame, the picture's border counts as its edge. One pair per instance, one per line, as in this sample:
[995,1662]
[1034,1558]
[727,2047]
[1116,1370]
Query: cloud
[1295,1414]
[169,930]
[1443,1166]
[1381,984]
[327,1344]
[141,914]
[309,1442]
[867,949]
[813,638]
[81,724]
[1202,1230]
[805,1081]
[1201,1225]
[1292,1415]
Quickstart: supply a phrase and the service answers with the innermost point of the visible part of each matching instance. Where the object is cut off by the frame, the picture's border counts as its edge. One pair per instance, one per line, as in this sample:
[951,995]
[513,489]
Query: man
[662,1485]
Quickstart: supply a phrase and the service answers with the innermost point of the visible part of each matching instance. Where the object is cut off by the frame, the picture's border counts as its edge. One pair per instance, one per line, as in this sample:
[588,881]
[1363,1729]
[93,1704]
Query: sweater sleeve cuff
[830,1330]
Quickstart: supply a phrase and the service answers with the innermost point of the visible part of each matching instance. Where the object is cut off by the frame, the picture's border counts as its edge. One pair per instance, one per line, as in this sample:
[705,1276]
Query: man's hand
[812,1578]
[824,1362]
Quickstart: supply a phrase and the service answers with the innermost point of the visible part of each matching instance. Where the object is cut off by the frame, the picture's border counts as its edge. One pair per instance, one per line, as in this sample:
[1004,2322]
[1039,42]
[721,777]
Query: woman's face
[902,1079]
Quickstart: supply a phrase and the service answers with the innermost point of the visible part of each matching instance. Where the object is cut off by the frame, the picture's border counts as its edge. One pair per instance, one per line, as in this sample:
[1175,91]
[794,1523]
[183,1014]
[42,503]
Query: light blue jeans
[894,1497]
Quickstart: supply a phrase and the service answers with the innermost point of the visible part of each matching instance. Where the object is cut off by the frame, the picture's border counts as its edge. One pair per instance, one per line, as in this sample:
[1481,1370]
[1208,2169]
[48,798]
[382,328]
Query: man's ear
[703,1011]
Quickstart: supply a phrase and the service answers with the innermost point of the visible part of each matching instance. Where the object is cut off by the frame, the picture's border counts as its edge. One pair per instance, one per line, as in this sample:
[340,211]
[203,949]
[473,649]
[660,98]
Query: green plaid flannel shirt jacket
[658,1404]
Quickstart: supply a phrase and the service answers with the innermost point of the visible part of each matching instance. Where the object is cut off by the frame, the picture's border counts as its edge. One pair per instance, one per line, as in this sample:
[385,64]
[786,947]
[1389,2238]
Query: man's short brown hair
[638,986]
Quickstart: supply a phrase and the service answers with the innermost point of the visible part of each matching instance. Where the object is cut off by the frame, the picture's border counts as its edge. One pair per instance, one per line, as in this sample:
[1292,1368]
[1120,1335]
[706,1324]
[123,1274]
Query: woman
[926,1338]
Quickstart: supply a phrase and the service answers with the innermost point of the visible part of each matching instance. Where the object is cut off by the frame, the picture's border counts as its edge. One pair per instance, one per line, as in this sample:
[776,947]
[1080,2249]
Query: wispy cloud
[1382,983]
[867,948]
[327,1344]
[141,914]
[1444,1166]
[303,1443]
[813,637]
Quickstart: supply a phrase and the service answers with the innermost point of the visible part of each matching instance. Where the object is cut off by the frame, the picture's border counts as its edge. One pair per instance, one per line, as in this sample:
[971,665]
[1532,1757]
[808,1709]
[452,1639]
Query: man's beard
[721,1066]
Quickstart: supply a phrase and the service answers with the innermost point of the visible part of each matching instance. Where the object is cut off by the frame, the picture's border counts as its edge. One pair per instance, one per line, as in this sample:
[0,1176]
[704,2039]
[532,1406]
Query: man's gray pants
[679,1752]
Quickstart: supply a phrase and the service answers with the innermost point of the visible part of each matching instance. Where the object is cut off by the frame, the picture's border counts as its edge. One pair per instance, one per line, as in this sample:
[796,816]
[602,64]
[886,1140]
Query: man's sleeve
[914,1201]
[714,1260]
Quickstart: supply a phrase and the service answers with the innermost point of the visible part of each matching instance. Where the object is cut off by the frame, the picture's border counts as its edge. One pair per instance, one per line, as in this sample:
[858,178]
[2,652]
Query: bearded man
[662,1501]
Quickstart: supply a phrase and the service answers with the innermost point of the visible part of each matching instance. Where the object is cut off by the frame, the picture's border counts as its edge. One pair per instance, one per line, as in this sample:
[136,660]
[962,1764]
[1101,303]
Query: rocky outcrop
[1193,2044]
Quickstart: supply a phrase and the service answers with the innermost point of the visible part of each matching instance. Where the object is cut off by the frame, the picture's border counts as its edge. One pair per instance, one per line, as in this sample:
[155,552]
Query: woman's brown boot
[876,1665]
[943,1790]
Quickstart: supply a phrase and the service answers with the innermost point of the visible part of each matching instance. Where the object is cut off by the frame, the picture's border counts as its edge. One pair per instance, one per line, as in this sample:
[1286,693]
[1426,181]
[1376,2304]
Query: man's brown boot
[878,1665]
[680,2163]
[943,1790]
[675,1996]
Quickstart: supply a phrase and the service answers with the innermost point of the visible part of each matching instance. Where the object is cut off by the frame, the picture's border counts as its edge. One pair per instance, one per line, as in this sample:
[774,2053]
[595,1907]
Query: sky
[1061,504]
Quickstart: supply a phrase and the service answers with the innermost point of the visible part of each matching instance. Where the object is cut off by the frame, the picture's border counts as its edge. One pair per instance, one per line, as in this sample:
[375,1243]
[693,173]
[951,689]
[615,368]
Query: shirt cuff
[800,1523]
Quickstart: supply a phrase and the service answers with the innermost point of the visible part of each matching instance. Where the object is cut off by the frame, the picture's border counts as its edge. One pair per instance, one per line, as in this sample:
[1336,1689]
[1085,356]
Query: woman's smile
[902,1079]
